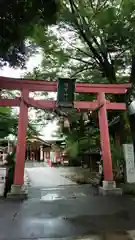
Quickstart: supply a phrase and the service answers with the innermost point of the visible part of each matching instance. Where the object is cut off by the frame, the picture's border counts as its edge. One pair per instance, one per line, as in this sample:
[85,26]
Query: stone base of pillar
[18,192]
[109,188]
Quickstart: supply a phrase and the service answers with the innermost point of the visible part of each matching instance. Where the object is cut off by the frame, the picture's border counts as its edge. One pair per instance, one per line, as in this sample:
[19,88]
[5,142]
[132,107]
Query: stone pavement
[66,212]
[67,219]
[62,192]
[46,177]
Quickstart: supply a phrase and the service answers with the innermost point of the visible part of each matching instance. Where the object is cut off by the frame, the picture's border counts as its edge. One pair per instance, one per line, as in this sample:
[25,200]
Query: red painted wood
[104,139]
[42,85]
[43,104]
[21,141]
[115,106]
[50,104]
[10,102]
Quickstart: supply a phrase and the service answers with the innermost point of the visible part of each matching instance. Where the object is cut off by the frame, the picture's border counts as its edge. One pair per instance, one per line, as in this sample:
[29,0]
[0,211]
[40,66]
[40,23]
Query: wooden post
[104,139]
[117,139]
[41,153]
[21,143]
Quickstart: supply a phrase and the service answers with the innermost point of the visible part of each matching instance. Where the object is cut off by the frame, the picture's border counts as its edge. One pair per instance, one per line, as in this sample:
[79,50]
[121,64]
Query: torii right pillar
[109,186]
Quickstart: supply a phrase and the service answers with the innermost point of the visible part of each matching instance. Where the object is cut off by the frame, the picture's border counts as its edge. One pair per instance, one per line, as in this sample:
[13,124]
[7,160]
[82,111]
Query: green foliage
[118,162]
[10,159]
[18,20]
[9,124]
[10,164]
[81,137]
[72,148]
[32,130]
[92,42]
[117,156]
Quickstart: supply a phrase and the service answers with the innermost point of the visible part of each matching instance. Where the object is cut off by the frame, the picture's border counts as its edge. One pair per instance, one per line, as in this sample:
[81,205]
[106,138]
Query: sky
[33,62]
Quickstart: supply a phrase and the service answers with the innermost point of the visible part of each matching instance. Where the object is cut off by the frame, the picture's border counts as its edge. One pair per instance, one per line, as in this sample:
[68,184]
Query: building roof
[38,139]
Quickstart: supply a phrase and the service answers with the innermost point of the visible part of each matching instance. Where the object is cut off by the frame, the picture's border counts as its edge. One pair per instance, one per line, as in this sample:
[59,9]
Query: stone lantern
[85,117]
[66,123]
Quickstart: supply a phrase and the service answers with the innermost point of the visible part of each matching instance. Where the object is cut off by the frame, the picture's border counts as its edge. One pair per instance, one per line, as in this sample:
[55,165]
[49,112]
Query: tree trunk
[111,76]
[132,127]
[124,130]
[130,99]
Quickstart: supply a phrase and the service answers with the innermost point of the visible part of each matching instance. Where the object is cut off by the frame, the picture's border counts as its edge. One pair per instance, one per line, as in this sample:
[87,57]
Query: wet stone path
[62,193]
[61,210]
[47,184]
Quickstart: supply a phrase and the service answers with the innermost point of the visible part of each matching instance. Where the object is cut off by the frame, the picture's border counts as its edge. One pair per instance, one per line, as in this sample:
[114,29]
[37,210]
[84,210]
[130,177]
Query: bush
[118,163]
[128,188]
[75,162]
[10,166]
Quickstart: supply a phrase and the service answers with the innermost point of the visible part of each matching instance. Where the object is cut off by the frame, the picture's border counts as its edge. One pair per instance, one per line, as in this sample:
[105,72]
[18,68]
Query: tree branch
[83,68]
[102,58]
[89,43]
[80,50]
[79,59]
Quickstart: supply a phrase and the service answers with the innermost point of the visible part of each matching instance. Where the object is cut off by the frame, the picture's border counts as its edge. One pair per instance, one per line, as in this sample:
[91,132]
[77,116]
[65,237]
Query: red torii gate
[26,86]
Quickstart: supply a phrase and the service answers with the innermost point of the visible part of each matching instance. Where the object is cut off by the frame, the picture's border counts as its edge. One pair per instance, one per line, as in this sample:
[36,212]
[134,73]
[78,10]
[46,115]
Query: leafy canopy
[93,41]
[9,124]
[17,20]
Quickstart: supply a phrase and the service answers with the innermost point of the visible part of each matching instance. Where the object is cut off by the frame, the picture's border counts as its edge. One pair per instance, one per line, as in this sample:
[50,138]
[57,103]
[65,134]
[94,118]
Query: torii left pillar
[17,189]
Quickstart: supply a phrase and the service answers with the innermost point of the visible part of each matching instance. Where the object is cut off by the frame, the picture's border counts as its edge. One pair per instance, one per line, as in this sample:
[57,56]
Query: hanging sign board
[130,162]
[65,93]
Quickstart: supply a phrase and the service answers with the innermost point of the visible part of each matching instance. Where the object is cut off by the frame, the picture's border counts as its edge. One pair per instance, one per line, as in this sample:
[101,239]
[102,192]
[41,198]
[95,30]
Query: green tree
[93,41]
[101,40]
[9,124]
[17,21]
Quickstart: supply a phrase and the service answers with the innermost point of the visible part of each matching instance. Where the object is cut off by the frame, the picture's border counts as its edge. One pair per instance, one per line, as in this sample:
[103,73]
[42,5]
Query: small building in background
[36,150]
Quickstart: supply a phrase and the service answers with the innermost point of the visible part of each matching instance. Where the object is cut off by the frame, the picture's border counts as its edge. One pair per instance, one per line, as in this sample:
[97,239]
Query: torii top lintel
[47,86]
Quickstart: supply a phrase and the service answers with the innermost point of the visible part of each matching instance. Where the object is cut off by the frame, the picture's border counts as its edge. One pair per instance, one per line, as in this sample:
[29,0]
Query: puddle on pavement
[108,236]
[80,194]
[51,197]
[51,194]
[88,238]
